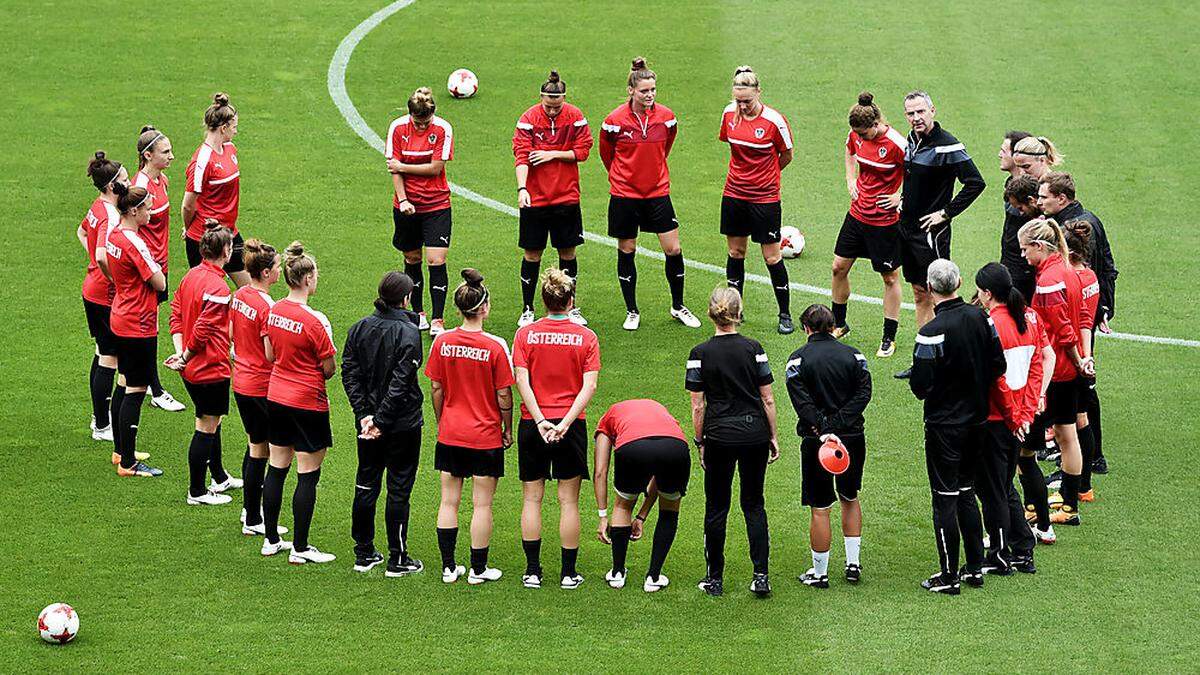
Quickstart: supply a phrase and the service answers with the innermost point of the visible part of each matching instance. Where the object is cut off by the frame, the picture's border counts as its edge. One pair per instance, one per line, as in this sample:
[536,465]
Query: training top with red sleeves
[556,181]
[557,353]
[636,419]
[880,173]
[248,315]
[100,219]
[215,178]
[301,338]
[421,146]
[1058,301]
[471,366]
[1013,398]
[634,148]
[157,232]
[200,313]
[135,302]
[1090,290]
[754,147]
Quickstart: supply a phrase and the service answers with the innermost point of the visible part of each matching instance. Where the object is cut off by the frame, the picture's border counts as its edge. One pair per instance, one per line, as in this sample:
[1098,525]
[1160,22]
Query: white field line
[336,81]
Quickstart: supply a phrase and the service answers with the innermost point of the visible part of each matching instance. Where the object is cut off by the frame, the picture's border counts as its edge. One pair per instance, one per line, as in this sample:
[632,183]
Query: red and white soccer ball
[462,83]
[58,623]
[791,241]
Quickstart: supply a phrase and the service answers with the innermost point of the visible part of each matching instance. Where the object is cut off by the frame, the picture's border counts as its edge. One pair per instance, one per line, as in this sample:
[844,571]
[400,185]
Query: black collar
[820,337]
[948,304]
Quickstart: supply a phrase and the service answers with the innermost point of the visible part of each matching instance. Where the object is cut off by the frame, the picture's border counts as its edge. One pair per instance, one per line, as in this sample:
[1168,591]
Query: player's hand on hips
[932,220]
[889,201]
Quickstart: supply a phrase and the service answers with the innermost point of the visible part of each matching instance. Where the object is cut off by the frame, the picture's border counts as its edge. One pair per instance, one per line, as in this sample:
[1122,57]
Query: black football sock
[272,501]
[627,276]
[130,417]
[255,469]
[779,282]
[620,546]
[839,313]
[889,329]
[215,466]
[1033,487]
[1069,491]
[198,453]
[675,274]
[479,558]
[438,283]
[571,268]
[533,555]
[304,501]
[735,273]
[529,280]
[155,383]
[664,536]
[417,274]
[569,556]
[447,538]
[1087,446]
[114,416]
[102,391]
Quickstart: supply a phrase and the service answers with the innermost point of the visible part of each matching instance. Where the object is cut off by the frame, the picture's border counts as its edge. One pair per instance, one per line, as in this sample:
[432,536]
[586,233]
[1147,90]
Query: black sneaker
[403,567]
[1054,480]
[853,573]
[786,327]
[997,566]
[712,586]
[842,331]
[760,585]
[939,584]
[1024,564]
[811,578]
[1043,454]
[1100,466]
[904,375]
[364,563]
[973,579]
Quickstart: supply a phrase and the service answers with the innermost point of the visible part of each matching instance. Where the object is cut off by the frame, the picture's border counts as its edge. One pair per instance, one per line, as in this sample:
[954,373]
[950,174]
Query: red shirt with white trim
[880,173]
[248,315]
[98,222]
[634,148]
[471,366]
[1090,290]
[215,178]
[636,419]
[157,232]
[301,338]
[1013,397]
[754,147]
[557,353]
[554,182]
[1058,301]
[421,146]
[135,303]
[200,313]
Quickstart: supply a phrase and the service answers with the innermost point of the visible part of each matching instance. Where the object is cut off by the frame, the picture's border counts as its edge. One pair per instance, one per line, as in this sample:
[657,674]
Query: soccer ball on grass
[58,623]
[462,83]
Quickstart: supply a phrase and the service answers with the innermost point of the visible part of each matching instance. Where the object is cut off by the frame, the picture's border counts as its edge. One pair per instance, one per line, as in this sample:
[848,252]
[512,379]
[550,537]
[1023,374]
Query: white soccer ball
[462,83]
[58,623]
[791,241]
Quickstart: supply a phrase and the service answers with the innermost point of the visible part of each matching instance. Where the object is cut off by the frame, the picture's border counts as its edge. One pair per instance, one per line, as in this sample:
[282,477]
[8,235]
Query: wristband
[522,188]
[603,513]
[699,443]
[640,517]
[405,200]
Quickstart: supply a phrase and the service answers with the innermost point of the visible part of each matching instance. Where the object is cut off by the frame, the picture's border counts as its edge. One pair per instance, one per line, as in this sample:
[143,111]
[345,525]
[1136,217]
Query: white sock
[852,546]
[820,563]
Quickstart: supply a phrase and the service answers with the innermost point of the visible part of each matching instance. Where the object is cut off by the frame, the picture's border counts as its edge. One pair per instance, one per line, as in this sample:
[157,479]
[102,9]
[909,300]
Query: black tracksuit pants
[951,455]
[719,464]
[396,453]
[1003,512]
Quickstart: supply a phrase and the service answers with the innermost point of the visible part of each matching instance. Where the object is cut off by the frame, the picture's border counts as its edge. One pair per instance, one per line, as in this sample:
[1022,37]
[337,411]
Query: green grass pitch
[163,587]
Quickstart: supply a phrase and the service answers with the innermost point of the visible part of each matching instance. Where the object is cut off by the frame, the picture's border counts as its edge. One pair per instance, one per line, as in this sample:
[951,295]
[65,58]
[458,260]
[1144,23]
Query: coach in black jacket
[956,359]
[1056,198]
[380,365]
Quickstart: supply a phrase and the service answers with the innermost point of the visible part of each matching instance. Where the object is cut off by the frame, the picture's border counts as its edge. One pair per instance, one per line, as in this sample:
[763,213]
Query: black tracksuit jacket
[830,387]
[380,365]
[956,359]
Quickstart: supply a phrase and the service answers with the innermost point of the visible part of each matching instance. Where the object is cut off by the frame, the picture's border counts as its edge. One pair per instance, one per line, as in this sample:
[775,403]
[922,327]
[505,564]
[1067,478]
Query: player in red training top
[471,387]
[551,139]
[418,146]
[1013,402]
[557,367]
[213,186]
[97,289]
[1079,242]
[760,147]
[297,406]
[635,142]
[1057,301]
[650,455]
[249,310]
[154,156]
[136,279]
[200,333]
[874,173]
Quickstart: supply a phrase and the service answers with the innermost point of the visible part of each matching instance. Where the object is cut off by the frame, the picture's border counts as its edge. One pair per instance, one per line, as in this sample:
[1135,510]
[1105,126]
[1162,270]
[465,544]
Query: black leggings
[719,464]
[398,454]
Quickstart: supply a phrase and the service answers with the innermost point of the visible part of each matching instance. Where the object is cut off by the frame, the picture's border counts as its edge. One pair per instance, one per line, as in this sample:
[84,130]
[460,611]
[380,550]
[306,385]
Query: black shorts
[664,458]
[137,360]
[98,326]
[918,249]
[235,264]
[253,411]
[563,223]
[760,222]
[297,428]
[880,243]
[463,462]
[817,484]
[628,215]
[209,398]
[563,460]
[431,230]
[1062,402]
